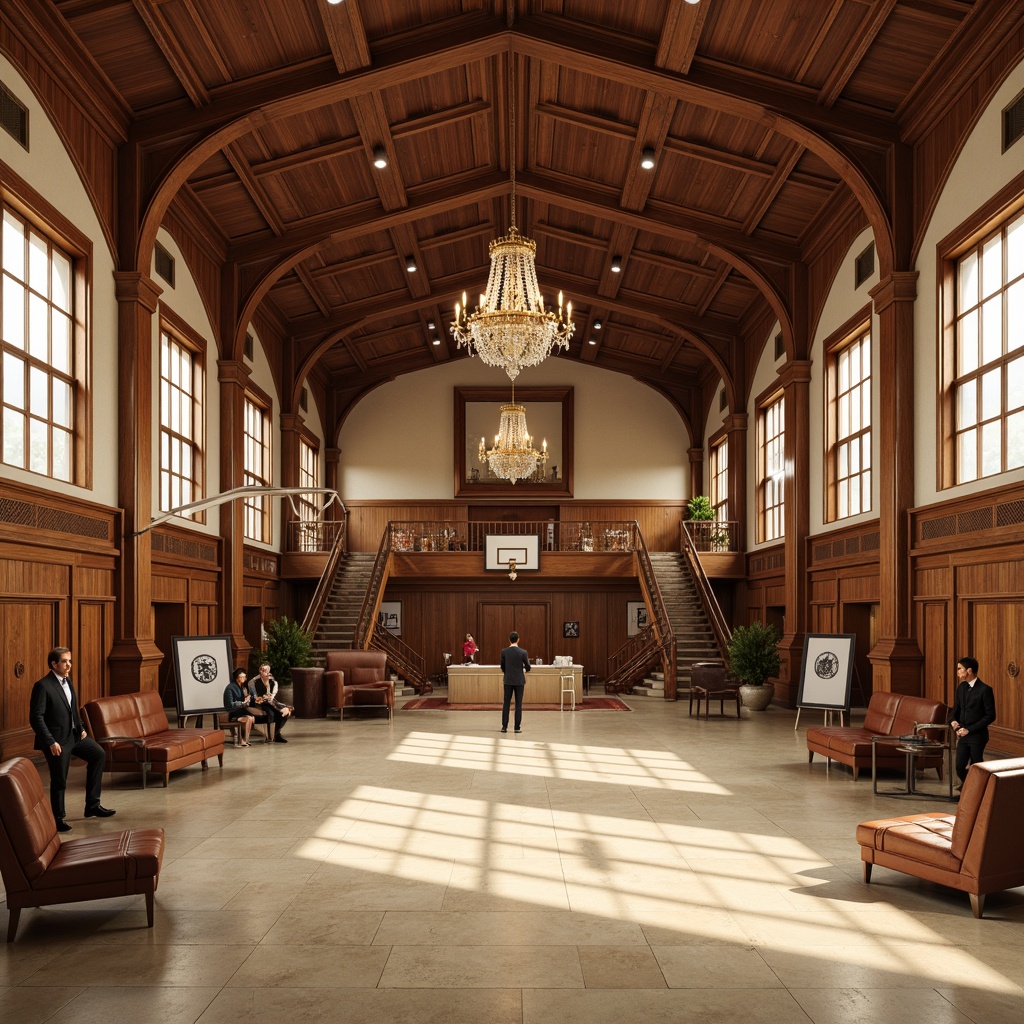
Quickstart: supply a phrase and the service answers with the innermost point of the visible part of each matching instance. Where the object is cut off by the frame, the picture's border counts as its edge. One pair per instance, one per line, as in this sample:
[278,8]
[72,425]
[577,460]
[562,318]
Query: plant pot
[757,697]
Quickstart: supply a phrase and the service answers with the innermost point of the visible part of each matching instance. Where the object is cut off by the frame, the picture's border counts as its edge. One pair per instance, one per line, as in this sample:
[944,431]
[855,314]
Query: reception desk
[482,684]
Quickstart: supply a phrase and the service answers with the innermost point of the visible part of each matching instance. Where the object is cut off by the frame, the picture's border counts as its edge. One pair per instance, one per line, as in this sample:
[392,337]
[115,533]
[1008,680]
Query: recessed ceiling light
[598,325]
[591,342]
[380,157]
[336,2]
[616,265]
[437,341]
[647,158]
[431,325]
[410,264]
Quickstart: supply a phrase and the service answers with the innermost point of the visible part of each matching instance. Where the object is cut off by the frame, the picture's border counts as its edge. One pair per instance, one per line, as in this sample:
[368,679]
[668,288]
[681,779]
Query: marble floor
[600,868]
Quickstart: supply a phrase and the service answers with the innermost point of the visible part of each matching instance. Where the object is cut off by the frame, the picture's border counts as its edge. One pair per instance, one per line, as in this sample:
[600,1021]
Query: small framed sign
[827,671]
[570,630]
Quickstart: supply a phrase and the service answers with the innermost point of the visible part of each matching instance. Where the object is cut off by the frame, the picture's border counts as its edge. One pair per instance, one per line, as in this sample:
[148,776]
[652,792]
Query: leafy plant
[288,647]
[700,508]
[753,653]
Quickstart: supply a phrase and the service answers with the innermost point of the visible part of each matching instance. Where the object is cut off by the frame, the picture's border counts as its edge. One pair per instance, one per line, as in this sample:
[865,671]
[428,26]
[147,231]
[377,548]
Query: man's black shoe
[279,739]
[99,811]
[504,730]
[63,826]
[519,730]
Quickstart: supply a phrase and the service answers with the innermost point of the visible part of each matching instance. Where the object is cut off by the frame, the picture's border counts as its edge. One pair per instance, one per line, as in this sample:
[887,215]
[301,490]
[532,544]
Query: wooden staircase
[694,634]
[337,626]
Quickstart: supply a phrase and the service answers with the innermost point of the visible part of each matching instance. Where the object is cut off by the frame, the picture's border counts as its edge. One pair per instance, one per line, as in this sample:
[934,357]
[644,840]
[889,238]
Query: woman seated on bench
[238,703]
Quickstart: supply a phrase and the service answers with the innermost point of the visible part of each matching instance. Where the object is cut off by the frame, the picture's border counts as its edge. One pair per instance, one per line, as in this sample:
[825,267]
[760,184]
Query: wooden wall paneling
[996,639]
[169,589]
[205,620]
[28,629]
[94,640]
[933,618]
[858,587]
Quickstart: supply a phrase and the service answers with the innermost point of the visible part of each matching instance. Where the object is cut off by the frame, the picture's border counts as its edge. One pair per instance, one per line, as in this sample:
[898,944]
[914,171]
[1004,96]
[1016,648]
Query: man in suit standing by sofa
[974,710]
[515,663]
[53,714]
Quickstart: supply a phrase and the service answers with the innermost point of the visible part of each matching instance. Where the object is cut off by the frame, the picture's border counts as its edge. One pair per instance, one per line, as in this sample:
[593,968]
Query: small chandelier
[513,456]
[510,328]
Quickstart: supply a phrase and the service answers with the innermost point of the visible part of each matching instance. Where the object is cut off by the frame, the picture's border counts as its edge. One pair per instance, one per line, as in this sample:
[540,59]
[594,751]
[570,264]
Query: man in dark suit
[53,713]
[974,710]
[515,663]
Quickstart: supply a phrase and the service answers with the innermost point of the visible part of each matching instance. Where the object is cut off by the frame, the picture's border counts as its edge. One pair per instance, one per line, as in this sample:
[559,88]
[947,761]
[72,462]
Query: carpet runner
[587,704]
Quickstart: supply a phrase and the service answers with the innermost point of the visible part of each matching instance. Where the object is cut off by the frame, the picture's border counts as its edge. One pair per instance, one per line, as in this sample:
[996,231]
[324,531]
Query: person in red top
[469,649]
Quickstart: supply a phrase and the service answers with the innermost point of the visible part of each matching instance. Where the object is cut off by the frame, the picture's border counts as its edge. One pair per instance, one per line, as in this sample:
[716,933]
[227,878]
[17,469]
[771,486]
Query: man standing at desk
[515,663]
[974,710]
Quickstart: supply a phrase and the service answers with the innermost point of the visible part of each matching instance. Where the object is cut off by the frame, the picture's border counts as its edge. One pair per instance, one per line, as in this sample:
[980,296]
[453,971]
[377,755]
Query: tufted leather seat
[39,870]
[975,850]
[357,679]
[132,729]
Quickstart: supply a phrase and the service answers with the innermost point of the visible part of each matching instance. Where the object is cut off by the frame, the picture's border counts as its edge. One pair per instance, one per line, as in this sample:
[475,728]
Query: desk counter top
[482,684]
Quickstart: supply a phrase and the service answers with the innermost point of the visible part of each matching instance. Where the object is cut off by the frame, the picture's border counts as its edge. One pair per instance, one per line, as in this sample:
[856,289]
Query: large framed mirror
[549,417]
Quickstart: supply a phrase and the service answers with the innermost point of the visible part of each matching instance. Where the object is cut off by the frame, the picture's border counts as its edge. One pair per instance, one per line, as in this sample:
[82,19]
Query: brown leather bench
[39,870]
[889,714]
[976,850]
[133,731]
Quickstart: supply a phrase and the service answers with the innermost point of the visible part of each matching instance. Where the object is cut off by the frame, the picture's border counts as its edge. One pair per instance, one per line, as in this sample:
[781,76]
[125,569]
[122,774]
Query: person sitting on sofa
[239,704]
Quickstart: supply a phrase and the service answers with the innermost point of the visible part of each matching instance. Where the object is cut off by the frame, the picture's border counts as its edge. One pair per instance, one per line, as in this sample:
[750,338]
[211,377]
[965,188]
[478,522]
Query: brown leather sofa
[976,850]
[889,714]
[132,729]
[357,679]
[39,870]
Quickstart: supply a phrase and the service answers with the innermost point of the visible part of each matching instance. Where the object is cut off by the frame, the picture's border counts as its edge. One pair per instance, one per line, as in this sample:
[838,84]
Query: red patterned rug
[441,704]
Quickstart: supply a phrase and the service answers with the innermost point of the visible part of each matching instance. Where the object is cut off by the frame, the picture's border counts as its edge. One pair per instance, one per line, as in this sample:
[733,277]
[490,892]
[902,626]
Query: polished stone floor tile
[603,867]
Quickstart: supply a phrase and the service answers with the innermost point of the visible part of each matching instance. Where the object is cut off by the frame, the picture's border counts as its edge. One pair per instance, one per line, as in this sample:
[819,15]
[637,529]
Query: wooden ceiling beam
[372,122]
[314,292]
[720,158]
[346,35]
[768,194]
[254,189]
[679,36]
[173,51]
[843,70]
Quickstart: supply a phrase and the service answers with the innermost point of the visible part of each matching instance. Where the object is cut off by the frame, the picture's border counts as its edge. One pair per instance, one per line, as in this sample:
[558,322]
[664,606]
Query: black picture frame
[570,630]
[202,671]
[827,673]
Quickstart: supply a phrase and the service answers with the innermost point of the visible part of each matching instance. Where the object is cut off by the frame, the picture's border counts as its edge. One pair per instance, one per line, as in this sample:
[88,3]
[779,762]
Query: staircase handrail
[374,592]
[403,658]
[665,635]
[627,664]
[311,620]
[723,633]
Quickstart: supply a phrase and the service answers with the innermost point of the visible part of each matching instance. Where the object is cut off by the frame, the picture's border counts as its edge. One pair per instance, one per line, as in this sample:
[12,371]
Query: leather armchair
[357,679]
[39,870]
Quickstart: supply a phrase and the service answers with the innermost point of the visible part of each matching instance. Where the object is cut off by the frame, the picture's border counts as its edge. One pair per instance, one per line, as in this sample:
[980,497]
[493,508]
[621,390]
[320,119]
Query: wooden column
[233,375]
[290,429]
[896,658]
[736,429]
[135,658]
[795,379]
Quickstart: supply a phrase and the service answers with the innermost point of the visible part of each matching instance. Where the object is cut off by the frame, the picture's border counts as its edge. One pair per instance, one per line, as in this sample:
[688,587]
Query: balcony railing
[312,535]
[711,534]
[554,536]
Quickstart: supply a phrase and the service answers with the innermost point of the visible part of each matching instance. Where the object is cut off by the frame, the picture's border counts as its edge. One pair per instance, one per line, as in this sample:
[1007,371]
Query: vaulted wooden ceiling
[262,117]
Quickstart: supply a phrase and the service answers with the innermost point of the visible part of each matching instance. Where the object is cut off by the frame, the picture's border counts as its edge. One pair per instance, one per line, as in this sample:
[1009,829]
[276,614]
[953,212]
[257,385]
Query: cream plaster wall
[398,443]
[843,302]
[981,170]
[52,174]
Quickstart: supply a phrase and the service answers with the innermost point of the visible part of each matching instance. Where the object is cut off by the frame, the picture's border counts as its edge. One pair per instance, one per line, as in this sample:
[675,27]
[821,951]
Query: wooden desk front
[482,684]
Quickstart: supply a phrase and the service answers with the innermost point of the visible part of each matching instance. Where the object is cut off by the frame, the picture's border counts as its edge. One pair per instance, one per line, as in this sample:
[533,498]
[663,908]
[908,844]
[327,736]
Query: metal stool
[567,683]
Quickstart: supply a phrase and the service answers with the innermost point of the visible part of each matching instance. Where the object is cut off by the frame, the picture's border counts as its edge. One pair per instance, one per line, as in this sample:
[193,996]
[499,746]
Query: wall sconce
[512,569]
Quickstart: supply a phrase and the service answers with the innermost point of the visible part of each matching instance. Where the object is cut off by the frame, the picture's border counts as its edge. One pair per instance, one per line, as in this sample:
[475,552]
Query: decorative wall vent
[870,542]
[304,399]
[181,547]
[1010,514]
[250,346]
[13,116]
[1013,122]
[56,519]
[163,261]
[780,346]
[935,529]
[864,265]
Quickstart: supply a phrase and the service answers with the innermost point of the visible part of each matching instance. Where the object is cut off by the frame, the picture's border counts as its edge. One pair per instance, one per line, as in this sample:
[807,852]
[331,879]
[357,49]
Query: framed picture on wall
[390,616]
[636,617]
[570,630]
[202,669]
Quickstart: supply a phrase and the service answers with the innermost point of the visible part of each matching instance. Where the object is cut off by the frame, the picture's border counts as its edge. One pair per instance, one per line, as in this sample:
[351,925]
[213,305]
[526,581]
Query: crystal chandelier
[513,456]
[510,328]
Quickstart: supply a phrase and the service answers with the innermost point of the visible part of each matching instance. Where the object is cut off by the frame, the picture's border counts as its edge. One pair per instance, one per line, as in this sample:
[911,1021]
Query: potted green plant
[288,646]
[701,511]
[754,659]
